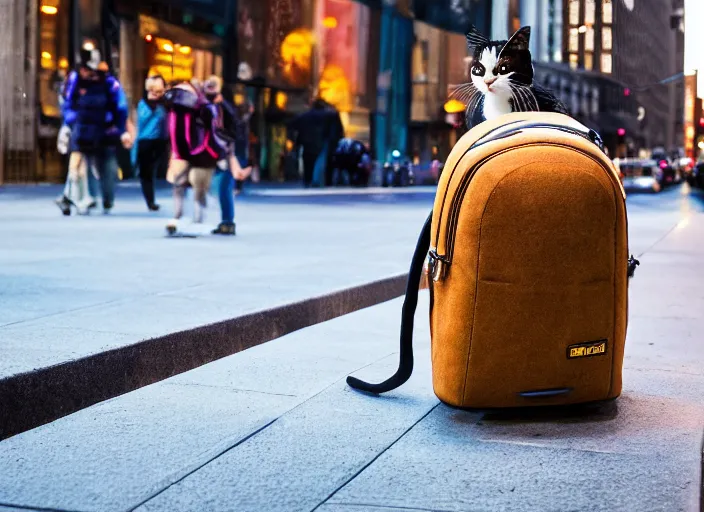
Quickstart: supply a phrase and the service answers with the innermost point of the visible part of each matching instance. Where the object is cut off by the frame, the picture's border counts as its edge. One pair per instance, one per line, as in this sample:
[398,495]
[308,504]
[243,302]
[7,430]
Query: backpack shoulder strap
[405,367]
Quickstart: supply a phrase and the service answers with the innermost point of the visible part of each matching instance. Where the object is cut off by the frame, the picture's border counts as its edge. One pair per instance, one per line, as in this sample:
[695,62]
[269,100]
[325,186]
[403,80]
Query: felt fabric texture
[534,225]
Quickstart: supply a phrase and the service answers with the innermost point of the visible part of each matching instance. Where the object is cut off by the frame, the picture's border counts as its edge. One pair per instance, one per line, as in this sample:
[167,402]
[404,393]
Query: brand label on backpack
[589,349]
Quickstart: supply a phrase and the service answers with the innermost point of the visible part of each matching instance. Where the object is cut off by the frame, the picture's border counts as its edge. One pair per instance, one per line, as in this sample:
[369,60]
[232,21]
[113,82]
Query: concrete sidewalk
[77,288]
[276,428]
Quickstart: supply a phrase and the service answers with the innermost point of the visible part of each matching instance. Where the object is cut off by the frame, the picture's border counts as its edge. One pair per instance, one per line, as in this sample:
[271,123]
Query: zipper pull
[632,264]
[437,266]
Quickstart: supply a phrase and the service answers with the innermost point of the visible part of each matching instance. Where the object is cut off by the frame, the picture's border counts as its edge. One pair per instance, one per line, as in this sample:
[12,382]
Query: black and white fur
[502,79]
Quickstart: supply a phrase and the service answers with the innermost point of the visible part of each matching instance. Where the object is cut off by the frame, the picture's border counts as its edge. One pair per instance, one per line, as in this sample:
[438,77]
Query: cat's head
[496,64]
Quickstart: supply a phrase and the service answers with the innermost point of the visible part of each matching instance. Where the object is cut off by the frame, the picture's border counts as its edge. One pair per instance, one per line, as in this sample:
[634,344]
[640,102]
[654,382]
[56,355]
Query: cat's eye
[478,70]
[503,69]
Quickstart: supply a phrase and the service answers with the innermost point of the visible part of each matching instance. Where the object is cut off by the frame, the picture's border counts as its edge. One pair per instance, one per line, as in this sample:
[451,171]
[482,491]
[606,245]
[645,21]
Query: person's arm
[121,111]
[119,100]
[67,109]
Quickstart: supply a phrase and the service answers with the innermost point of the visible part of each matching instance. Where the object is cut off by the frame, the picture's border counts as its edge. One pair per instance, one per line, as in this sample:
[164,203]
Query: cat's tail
[405,367]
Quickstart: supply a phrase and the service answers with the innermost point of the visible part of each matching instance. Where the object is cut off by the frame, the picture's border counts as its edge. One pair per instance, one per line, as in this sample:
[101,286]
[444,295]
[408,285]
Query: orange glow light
[330,22]
[454,106]
[148,38]
[49,9]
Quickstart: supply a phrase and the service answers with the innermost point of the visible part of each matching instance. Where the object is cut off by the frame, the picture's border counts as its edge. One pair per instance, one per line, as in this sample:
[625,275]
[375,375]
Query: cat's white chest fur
[496,105]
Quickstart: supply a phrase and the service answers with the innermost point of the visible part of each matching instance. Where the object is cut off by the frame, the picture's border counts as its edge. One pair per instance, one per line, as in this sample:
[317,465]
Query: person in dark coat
[316,132]
[95,111]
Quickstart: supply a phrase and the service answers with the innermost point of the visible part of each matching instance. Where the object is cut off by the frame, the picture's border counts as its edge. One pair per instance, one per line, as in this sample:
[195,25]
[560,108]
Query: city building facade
[386,65]
[604,59]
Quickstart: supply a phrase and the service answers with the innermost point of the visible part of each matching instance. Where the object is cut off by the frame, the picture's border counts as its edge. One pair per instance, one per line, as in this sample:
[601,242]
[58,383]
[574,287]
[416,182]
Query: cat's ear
[520,41]
[475,39]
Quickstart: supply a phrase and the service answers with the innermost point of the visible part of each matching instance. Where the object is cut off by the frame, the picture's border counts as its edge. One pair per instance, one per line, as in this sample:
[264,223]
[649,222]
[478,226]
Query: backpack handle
[405,367]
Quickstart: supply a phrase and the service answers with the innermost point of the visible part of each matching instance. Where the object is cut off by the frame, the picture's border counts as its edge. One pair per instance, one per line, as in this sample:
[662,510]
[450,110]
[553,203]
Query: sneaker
[224,228]
[64,205]
[153,207]
[172,227]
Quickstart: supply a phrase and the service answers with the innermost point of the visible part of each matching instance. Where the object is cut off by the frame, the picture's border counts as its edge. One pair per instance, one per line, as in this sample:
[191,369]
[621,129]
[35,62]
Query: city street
[274,426]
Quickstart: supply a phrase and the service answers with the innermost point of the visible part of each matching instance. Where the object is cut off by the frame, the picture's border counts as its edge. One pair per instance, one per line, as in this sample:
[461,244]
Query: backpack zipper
[439,264]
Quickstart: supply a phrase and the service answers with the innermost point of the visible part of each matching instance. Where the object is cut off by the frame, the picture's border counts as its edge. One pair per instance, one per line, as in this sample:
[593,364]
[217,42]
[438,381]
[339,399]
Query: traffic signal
[621,132]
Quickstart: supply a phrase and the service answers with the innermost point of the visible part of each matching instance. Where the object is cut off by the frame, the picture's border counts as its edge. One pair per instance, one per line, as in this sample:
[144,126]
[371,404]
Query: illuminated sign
[690,97]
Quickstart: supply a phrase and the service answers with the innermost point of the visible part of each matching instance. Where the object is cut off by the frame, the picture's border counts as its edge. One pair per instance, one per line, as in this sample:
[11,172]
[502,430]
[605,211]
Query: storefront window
[342,27]
[428,53]
[54,58]
[175,53]
[289,44]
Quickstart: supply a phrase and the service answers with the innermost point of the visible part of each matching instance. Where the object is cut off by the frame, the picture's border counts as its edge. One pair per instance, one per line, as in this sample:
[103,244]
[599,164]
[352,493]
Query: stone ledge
[46,394]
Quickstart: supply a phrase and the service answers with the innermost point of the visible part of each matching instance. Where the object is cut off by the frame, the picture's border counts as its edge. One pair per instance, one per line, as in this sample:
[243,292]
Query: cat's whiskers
[463,91]
[520,94]
[528,94]
[476,104]
[516,103]
[473,103]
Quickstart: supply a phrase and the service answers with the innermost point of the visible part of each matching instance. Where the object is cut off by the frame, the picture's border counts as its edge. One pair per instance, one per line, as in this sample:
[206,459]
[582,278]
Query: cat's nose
[490,81]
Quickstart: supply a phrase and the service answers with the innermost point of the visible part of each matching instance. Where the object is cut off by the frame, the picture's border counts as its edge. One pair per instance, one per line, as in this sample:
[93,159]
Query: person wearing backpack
[195,131]
[95,113]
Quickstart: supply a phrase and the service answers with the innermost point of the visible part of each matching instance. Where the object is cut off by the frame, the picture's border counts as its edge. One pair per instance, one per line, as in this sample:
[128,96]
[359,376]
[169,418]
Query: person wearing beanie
[95,111]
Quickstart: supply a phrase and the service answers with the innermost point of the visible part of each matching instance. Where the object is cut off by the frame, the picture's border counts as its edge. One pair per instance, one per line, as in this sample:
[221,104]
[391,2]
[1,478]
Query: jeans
[224,181]
[102,162]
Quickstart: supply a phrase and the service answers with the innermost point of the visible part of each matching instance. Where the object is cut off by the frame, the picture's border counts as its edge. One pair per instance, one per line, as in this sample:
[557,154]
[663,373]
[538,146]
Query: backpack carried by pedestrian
[528,269]
[190,122]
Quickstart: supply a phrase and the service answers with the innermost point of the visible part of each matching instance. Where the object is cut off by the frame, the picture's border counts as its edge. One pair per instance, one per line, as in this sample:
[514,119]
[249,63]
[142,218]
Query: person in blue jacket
[95,110]
[151,136]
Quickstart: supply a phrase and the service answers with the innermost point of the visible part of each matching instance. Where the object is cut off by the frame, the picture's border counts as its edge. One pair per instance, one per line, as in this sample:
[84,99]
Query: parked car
[671,172]
[641,174]
[687,166]
[696,178]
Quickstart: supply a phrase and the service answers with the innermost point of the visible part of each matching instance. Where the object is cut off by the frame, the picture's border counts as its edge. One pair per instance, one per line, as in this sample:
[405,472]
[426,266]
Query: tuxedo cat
[502,79]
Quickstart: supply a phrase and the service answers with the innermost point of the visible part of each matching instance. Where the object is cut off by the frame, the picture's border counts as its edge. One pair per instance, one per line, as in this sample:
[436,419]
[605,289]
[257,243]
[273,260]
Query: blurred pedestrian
[95,111]
[151,136]
[196,147]
[241,158]
[317,132]
[223,179]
